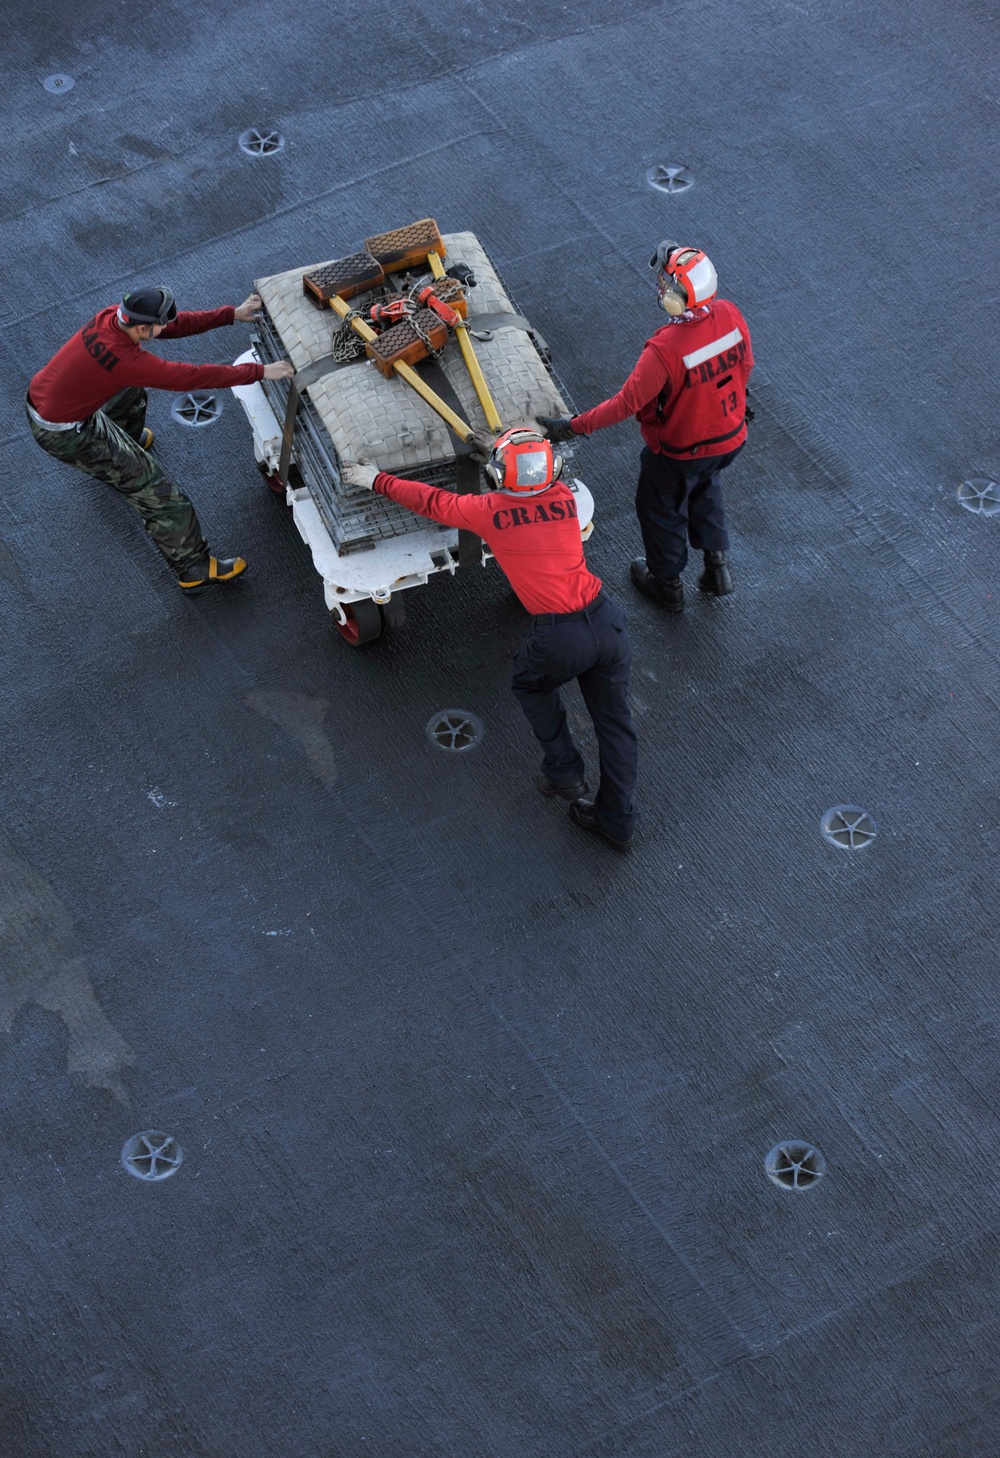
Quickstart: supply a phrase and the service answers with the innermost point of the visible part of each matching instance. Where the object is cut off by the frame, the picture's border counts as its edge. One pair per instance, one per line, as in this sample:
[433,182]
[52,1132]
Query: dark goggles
[663,252]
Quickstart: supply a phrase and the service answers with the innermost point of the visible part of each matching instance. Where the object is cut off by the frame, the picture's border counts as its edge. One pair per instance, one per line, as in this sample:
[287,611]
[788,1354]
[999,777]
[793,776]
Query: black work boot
[716,577]
[582,813]
[216,569]
[666,592]
[550,788]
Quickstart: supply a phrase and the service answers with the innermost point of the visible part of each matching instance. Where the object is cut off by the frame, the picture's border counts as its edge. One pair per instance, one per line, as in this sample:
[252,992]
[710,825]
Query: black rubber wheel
[272,478]
[393,614]
[364,622]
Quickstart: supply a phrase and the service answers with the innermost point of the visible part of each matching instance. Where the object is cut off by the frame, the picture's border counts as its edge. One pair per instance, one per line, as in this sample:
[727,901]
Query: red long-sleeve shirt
[101,359]
[535,539]
[688,388]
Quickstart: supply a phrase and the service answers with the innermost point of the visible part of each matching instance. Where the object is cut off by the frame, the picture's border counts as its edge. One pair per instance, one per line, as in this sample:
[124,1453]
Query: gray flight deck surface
[474,1112]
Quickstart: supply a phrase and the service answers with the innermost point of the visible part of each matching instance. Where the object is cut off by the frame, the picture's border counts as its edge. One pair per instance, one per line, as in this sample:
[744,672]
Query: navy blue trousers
[591,646]
[680,501]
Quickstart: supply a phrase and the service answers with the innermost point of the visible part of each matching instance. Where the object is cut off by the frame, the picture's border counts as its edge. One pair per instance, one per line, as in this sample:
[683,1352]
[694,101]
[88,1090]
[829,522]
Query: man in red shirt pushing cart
[578,631]
[688,393]
[87,407]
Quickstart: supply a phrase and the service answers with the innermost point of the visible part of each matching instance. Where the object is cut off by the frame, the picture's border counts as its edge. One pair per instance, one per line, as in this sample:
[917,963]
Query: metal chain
[449,290]
[418,328]
[421,333]
[346,345]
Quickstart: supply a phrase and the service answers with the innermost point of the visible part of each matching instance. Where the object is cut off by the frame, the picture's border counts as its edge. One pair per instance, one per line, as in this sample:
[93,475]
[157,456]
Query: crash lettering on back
[719,364]
[527,515]
[704,369]
[93,346]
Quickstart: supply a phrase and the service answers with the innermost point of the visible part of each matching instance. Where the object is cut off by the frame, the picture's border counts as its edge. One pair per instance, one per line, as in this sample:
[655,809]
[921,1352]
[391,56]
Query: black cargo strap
[301,380]
[489,323]
[470,547]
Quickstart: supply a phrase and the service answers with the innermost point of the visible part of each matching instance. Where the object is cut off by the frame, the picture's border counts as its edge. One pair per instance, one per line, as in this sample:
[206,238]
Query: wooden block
[406,247]
[342,279]
[402,342]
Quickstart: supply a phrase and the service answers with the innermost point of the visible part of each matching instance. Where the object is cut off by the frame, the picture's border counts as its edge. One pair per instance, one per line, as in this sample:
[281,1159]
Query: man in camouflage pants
[87,407]
[109,445]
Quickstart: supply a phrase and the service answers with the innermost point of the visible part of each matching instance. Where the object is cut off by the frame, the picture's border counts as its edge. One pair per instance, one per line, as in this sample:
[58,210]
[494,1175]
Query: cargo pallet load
[379,377]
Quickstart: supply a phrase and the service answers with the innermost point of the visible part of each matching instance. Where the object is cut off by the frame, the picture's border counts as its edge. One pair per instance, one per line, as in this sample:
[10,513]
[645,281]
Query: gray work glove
[358,473]
[481,446]
[557,427]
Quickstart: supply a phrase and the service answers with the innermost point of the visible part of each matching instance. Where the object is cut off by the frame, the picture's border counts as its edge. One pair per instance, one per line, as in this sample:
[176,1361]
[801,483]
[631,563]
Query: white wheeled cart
[369,550]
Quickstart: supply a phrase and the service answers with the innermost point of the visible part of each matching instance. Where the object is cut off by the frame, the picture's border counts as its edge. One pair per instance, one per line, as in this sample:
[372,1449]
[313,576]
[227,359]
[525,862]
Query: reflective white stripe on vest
[716,347]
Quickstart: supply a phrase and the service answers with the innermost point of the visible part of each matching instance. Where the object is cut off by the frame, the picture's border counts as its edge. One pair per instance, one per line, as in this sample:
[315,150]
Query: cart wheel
[393,614]
[364,622]
[272,478]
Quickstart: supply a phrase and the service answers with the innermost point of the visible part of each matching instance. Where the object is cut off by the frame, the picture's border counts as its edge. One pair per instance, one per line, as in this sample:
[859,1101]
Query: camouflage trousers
[107,446]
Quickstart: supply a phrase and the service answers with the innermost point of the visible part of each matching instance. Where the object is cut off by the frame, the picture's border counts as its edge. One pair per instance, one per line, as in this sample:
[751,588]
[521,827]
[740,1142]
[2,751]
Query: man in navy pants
[591,646]
[530,524]
[688,391]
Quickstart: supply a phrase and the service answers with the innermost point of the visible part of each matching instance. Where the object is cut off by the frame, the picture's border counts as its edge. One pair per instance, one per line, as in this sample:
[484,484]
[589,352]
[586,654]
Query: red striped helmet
[685,276]
[522,460]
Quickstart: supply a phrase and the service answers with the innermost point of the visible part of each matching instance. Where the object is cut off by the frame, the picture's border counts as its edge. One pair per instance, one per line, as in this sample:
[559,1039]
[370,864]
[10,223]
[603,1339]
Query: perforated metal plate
[848,827]
[152,1155]
[454,730]
[59,82]
[261,142]
[980,496]
[795,1165]
[667,178]
[198,407]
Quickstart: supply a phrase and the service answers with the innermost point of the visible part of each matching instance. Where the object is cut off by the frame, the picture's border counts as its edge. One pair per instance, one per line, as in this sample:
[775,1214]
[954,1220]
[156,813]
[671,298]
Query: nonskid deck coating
[474,1114]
